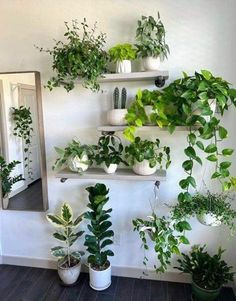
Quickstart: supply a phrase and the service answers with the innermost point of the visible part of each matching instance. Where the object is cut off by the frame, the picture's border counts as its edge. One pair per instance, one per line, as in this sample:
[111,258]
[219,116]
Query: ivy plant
[122,52]
[81,55]
[99,227]
[150,37]
[23,129]
[166,236]
[68,234]
[109,150]
[7,180]
[152,151]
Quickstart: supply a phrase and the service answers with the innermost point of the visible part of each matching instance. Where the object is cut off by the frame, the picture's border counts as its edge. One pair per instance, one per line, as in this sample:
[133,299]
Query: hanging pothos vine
[23,129]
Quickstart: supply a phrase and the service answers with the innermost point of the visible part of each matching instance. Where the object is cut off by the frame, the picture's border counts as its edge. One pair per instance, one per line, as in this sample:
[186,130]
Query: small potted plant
[209,273]
[166,236]
[151,45]
[145,156]
[69,261]
[75,156]
[117,115]
[100,237]
[211,209]
[122,54]
[108,153]
[7,181]
[80,56]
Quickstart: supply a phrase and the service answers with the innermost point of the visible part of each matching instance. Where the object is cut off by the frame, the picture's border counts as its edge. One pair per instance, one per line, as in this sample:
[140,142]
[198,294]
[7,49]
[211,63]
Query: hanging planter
[209,219]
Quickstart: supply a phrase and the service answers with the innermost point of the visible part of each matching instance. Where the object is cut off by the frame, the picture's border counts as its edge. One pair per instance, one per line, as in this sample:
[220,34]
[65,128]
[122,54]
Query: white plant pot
[148,111]
[123,66]
[117,117]
[151,63]
[111,169]
[100,280]
[143,168]
[5,202]
[76,164]
[69,275]
[209,219]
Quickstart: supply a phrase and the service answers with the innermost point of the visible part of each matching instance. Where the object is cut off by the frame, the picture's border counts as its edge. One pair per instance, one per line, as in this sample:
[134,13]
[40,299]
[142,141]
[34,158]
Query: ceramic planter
[123,66]
[203,294]
[209,219]
[5,202]
[110,169]
[117,117]
[100,280]
[69,275]
[151,63]
[143,168]
[77,164]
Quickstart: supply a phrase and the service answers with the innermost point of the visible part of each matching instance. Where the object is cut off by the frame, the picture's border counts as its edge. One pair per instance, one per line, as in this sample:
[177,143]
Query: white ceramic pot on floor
[209,219]
[151,63]
[117,117]
[123,66]
[110,169]
[69,275]
[143,168]
[100,280]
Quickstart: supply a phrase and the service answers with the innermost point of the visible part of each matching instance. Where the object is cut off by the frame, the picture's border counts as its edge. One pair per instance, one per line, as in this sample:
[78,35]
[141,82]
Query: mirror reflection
[22,165]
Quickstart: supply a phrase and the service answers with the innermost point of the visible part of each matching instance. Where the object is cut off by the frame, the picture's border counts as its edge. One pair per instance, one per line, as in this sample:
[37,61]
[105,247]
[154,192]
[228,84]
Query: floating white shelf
[133,76]
[121,174]
[114,128]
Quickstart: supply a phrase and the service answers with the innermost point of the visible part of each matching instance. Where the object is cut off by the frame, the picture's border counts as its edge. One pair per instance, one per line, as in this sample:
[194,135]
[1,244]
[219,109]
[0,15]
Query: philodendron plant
[122,52]
[66,233]
[166,235]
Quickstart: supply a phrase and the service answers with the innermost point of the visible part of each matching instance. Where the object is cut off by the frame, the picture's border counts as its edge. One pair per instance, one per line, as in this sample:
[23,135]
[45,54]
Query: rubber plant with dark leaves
[67,234]
[166,236]
[6,179]
[99,227]
[81,55]
[23,129]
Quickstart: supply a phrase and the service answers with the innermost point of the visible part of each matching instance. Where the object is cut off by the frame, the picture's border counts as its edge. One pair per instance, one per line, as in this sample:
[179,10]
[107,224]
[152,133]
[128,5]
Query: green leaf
[227,152]
[55,220]
[191,181]
[175,250]
[192,138]
[215,175]
[225,165]
[206,74]
[212,158]
[190,152]
[66,212]
[78,220]
[77,254]
[187,165]
[211,148]
[58,252]
[59,236]
[184,240]
[223,133]
[138,122]
[183,225]
[106,243]
[200,145]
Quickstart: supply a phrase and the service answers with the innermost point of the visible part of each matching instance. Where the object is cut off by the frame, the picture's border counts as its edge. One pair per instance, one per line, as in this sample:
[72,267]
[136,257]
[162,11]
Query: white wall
[200,34]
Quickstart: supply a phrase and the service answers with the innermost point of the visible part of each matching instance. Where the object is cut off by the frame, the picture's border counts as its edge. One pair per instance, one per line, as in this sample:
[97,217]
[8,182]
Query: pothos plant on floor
[23,129]
[116,116]
[108,153]
[122,55]
[81,55]
[146,156]
[209,273]
[100,237]
[166,236]
[151,45]
[211,209]
[76,156]
[69,264]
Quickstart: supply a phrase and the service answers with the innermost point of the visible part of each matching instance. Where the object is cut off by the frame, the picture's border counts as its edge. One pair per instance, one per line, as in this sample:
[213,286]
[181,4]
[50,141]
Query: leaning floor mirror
[22,150]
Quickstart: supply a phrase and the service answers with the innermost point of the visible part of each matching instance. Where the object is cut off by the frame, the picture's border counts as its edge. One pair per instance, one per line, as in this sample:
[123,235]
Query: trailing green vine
[23,129]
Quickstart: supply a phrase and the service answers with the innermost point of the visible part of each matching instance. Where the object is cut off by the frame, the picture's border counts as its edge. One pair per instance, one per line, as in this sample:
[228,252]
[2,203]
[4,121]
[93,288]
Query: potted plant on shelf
[145,156]
[209,273]
[80,56]
[108,152]
[69,261]
[7,180]
[122,55]
[76,156]
[100,237]
[151,45]
[211,209]
[117,115]
[166,236]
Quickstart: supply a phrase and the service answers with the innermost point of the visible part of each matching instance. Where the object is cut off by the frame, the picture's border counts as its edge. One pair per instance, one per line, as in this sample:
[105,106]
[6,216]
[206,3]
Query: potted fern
[69,261]
[122,54]
[99,237]
[116,116]
[209,273]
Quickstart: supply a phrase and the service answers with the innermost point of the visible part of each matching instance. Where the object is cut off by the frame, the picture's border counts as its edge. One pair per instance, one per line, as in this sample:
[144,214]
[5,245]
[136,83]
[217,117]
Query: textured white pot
[117,117]
[69,275]
[100,280]
[75,163]
[111,169]
[209,219]
[151,63]
[123,66]
[143,168]
[148,111]
[5,202]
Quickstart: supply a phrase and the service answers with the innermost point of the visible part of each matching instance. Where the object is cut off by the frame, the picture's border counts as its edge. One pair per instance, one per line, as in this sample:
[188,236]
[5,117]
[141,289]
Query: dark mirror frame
[3,149]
